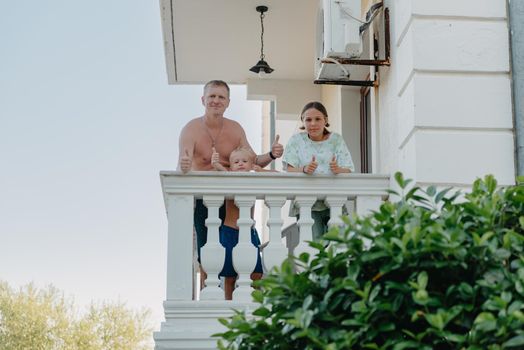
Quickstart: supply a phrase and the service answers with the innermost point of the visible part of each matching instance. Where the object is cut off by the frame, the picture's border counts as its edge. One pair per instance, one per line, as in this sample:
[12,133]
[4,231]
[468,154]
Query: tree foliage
[435,270]
[43,319]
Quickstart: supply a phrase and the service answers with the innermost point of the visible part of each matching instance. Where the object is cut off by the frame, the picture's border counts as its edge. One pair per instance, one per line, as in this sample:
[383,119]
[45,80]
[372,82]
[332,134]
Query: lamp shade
[261,66]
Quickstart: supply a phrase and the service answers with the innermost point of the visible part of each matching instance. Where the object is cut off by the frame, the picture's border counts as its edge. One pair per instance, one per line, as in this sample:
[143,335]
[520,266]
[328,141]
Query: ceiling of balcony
[220,39]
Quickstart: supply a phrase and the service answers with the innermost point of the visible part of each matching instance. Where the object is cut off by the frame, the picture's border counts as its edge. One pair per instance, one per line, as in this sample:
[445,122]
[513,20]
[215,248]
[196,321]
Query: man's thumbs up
[185,161]
[276,148]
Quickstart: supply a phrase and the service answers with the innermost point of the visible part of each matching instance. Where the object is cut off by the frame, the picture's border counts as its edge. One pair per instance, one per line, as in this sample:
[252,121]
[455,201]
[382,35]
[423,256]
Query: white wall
[445,104]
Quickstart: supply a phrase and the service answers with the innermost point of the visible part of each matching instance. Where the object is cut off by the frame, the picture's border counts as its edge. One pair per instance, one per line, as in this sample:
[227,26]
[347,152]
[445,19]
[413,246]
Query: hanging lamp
[262,67]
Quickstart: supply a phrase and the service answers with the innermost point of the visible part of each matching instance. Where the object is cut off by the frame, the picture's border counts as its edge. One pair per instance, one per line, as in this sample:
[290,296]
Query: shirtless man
[201,134]
[212,131]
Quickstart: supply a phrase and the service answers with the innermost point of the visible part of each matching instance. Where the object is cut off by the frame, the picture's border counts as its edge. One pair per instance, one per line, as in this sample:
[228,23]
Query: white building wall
[445,102]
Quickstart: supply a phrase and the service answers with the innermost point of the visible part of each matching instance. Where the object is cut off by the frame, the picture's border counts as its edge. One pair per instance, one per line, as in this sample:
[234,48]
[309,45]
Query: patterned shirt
[300,150]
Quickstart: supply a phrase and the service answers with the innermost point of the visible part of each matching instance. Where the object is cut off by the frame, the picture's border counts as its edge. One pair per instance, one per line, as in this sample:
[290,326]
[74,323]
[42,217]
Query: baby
[241,159]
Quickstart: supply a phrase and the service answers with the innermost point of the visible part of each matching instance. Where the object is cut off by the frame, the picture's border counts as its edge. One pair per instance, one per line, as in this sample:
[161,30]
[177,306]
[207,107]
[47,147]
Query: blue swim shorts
[229,239]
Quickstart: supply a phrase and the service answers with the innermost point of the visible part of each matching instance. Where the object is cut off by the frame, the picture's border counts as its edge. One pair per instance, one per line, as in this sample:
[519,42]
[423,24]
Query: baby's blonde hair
[243,149]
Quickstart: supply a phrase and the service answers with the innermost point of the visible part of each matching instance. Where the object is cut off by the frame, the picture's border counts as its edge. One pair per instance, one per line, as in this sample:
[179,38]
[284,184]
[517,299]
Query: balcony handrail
[261,184]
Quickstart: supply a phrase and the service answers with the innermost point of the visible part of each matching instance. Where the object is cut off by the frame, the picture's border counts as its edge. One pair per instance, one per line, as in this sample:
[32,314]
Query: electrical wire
[348,14]
[340,65]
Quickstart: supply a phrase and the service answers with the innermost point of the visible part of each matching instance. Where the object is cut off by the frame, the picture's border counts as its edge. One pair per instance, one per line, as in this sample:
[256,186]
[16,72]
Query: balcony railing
[186,311]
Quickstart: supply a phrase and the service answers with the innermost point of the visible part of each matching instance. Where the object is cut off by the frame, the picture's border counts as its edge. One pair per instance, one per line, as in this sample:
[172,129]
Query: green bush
[435,270]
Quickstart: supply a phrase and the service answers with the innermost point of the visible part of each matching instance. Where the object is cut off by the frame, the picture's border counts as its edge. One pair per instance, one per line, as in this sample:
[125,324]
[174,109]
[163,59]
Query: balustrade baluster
[275,252]
[335,204]
[305,223]
[364,205]
[244,253]
[212,253]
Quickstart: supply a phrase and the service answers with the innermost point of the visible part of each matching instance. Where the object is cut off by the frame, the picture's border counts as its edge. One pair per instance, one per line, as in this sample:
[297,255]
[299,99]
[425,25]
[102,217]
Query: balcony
[191,314]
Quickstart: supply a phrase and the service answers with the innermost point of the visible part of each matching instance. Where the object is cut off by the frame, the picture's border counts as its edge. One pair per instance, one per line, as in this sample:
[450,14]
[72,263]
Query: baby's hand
[257,168]
[215,157]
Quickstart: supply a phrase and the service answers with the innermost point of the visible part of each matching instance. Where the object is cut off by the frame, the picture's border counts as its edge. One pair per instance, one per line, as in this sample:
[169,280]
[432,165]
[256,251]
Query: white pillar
[365,204]
[275,252]
[180,247]
[244,253]
[212,254]
[305,223]
[335,204]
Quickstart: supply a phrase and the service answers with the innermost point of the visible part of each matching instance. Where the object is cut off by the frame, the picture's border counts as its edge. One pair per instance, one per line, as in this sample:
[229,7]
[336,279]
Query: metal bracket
[386,61]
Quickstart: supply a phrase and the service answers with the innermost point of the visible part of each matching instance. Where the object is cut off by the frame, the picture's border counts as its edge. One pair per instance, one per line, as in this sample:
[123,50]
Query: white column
[335,204]
[180,247]
[244,253]
[275,252]
[365,204]
[212,254]
[305,223]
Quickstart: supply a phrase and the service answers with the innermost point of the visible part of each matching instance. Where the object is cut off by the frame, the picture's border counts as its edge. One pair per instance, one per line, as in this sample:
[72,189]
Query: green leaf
[486,322]
[506,296]
[442,194]
[399,178]
[262,311]
[515,341]
[258,296]
[483,317]
[307,302]
[453,337]
[420,297]
[435,320]
[374,293]
[407,344]
[422,280]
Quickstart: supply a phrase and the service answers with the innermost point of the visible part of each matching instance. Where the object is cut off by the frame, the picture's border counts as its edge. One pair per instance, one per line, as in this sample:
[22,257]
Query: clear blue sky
[87,120]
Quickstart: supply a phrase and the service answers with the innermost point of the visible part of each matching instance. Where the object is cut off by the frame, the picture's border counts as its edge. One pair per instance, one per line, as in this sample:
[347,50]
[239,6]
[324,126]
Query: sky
[87,121]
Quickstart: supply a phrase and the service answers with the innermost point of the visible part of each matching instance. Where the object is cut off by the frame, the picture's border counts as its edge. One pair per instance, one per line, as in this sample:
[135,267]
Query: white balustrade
[305,223]
[335,204]
[244,253]
[190,318]
[364,205]
[275,251]
[212,253]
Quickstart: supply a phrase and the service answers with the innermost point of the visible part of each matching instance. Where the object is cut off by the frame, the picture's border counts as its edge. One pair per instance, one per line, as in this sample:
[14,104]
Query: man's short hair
[216,83]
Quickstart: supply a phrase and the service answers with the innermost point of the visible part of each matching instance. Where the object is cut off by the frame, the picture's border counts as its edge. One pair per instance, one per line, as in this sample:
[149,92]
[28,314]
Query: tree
[43,319]
[432,271]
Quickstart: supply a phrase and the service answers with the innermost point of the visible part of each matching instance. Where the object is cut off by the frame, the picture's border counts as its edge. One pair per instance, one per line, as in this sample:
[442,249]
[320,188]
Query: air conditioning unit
[338,35]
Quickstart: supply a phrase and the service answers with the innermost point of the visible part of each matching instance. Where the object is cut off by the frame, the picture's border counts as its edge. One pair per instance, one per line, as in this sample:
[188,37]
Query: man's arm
[186,147]
[263,159]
